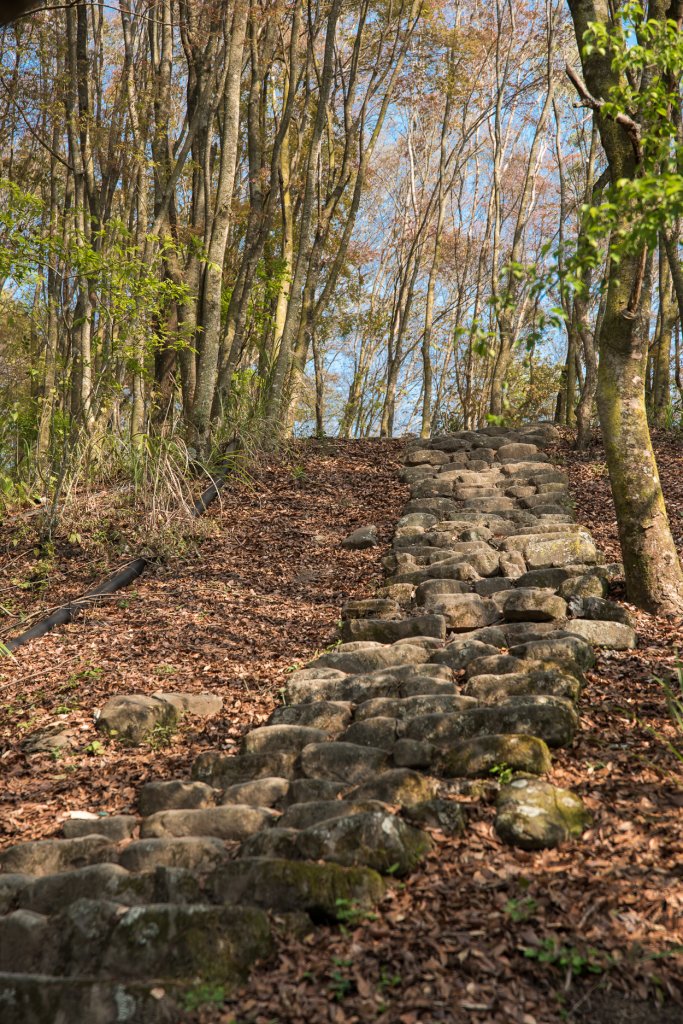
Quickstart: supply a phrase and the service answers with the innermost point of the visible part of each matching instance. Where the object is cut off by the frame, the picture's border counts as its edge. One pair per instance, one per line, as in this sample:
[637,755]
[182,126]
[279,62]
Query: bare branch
[632,127]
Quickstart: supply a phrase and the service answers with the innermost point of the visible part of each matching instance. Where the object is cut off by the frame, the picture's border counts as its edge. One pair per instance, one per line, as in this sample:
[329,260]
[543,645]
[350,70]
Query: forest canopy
[221,218]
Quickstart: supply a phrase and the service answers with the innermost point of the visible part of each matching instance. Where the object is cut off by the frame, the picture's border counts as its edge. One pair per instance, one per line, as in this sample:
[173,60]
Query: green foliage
[520,910]
[340,983]
[573,959]
[161,736]
[673,691]
[387,980]
[646,56]
[204,994]
[503,772]
[531,390]
[350,913]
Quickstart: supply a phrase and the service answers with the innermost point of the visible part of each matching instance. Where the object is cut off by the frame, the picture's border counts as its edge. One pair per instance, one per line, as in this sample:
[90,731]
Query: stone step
[466,665]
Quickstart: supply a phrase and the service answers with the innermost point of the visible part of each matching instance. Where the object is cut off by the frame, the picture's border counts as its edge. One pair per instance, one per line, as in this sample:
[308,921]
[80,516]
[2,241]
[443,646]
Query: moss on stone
[535,815]
[322,890]
[479,755]
[190,942]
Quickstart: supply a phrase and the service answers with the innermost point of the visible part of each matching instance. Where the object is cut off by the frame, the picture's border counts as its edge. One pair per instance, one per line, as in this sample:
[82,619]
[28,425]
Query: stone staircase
[459,675]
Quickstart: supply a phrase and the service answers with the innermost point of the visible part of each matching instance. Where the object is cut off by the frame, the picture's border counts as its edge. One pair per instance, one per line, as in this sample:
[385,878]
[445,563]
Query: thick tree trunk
[654,579]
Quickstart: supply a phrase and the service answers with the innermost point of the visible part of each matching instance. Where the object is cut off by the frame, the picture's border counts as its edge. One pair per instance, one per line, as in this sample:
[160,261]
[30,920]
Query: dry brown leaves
[445,946]
[260,595]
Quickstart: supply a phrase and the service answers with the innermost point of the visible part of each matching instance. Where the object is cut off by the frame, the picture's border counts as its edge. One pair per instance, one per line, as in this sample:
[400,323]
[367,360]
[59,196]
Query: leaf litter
[481,932]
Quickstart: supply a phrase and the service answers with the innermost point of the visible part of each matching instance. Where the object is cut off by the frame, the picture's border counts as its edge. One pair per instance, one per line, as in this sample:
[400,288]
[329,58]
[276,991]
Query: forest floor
[481,933]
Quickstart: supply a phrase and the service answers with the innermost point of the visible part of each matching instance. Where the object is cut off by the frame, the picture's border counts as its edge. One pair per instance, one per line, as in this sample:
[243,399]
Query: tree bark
[654,579]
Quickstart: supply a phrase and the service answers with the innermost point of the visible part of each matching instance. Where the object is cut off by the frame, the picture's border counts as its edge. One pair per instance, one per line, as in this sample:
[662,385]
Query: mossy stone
[322,890]
[376,840]
[398,786]
[535,815]
[190,942]
[477,756]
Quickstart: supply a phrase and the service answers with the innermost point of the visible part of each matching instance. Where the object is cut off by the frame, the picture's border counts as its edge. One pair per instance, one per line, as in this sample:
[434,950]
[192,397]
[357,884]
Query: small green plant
[519,910]
[94,749]
[350,913]
[503,772]
[298,473]
[673,692]
[204,995]
[166,670]
[387,980]
[161,736]
[340,984]
[576,961]
[86,673]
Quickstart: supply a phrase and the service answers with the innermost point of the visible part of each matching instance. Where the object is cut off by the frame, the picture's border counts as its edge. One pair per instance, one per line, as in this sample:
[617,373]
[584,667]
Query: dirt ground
[481,933]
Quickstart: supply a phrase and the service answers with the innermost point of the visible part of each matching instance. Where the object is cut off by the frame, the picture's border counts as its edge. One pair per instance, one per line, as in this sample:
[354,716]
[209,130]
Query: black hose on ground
[125,576]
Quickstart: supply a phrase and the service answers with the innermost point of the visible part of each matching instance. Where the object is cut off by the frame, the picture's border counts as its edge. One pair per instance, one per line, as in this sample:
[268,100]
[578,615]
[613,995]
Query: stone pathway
[461,674]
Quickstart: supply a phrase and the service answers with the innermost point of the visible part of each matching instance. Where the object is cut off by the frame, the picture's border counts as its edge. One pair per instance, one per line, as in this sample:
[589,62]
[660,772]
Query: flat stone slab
[281,738]
[109,882]
[174,794]
[491,689]
[30,998]
[48,856]
[233,822]
[614,636]
[399,786]
[479,755]
[330,716]
[217,943]
[363,537]
[193,853]
[324,890]
[376,840]
[389,631]
[535,815]
[366,657]
[527,605]
[260,793]
[464,612]
[132,718]
[204,705]
[115,827]
[223,770]
[342,762]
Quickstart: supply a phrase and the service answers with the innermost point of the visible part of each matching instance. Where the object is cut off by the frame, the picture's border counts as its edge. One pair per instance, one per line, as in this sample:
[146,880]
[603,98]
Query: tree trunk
[209,340]
[654,579]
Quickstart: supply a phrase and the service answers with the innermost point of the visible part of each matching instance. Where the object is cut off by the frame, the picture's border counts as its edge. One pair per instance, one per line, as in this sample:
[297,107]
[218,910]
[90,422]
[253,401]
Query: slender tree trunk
[210,337]
[427,373]
[278,401]
[52,339]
